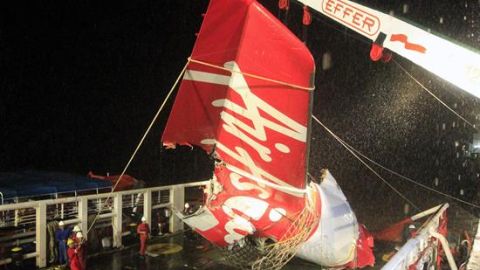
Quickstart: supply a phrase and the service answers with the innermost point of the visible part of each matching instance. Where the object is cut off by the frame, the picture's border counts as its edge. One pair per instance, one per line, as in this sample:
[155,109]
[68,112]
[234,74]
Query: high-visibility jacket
[143,230]
[73,259]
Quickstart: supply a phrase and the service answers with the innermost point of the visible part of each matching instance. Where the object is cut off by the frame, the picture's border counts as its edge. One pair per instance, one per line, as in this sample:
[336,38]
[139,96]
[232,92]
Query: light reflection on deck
[196,254]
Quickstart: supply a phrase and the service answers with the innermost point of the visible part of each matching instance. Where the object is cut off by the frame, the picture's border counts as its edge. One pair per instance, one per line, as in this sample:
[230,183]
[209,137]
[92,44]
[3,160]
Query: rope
[252,75]
[407,178]
[311,177]
[429,92]
[411,180]
[364,163]
[280,253]
[139,144]
[403,69]
[433,95]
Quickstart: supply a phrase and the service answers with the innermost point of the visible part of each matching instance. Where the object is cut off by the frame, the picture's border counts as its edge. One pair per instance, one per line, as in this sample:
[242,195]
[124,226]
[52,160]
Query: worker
[412,230]
[17,258]
[186,209]
[61,235]
[143,231]
[75,230]
[73,259]
[160,223]
[81,249]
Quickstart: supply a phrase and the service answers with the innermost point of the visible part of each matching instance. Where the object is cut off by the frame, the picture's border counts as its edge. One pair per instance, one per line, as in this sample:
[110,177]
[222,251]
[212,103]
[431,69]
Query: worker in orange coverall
[81,249]
[73,259]
[143,231]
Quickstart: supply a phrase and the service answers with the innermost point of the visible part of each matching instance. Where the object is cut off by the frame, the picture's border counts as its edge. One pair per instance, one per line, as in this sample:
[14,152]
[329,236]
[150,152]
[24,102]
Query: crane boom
[453,63]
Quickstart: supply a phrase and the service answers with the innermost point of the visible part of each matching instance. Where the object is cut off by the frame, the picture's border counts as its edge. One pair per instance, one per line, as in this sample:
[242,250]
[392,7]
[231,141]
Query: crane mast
[449,61]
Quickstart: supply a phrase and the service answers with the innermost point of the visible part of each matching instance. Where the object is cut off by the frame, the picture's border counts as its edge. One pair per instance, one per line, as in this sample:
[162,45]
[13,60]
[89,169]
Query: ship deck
[195,253]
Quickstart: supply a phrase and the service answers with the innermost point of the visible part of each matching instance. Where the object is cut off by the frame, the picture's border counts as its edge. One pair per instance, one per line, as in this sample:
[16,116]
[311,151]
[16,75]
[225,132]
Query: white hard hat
[76,228]
[61,223]
[144,219]
[79,235]
[187,205]
[411,226]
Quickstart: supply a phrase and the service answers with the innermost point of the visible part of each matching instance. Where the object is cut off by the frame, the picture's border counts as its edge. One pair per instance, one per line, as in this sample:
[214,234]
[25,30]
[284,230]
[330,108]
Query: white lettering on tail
[253,136]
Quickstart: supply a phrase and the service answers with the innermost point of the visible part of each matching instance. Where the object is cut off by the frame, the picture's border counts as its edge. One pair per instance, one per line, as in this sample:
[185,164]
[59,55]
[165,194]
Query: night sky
[81,80]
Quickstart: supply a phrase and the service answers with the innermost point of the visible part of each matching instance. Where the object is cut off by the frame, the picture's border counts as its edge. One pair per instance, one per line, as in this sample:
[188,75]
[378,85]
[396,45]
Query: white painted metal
[39,217]
[41,234]
[334,241]
[163,205]
[33,204]
[426,213]
[412,250]
[71,221]
[83,215]
[202,220]
[177,198]
[147,206]
[449,61]
[474,260]
[17,219]
[117,221]
[446,248]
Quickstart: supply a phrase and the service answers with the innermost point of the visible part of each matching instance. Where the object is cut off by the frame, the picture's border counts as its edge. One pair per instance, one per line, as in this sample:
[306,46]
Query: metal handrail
[405,256]
[34,204]
[39,212]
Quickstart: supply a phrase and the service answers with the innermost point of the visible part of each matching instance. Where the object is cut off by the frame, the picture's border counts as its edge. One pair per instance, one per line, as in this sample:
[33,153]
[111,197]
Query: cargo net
[260,254]
[242,254]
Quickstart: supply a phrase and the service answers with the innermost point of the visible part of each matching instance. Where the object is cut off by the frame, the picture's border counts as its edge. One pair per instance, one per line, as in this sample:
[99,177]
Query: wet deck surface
[195,254]
[190,257]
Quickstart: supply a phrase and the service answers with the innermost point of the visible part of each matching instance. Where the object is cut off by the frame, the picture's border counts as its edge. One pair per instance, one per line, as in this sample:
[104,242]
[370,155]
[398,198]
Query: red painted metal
[269,136]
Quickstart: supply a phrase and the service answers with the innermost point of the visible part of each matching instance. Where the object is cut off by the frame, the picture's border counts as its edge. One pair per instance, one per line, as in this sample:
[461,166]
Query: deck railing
[474,260]
[421,249]
[76,210]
